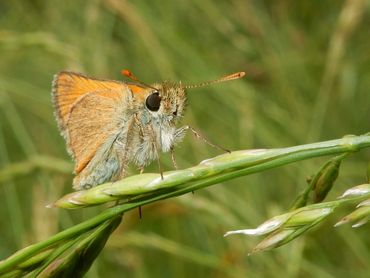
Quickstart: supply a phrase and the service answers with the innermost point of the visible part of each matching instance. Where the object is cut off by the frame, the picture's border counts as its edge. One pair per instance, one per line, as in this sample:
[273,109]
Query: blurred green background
[308,79]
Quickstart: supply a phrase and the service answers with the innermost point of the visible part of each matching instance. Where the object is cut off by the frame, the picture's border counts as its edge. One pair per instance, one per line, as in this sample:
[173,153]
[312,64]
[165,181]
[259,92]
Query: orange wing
[69,86]
[95,120]
[86,111]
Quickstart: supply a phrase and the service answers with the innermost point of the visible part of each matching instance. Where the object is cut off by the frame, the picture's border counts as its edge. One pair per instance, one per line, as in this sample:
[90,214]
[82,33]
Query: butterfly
[109,124]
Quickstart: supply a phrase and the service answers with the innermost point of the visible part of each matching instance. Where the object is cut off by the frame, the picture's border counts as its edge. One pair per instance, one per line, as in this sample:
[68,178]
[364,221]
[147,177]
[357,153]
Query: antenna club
[241,74]
[229,77]
[128,74]
[232,76]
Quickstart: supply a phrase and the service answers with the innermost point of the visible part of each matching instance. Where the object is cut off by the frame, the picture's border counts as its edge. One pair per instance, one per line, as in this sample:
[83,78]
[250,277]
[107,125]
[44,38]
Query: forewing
[93,119]
[87,112]
[68,87]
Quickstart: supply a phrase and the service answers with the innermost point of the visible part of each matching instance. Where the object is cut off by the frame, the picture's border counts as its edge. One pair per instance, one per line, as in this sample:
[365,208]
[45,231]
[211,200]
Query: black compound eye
[153,102]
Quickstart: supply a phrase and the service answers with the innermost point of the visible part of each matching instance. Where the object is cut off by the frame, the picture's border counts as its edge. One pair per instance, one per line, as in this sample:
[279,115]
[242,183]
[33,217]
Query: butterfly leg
[173,158]
[141,136]
[140,214]
[205,140]
[159,161]
[155,146]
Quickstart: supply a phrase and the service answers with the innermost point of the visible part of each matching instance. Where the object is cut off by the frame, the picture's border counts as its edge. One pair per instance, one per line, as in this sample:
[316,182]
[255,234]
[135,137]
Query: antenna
[130,75]
[228,77]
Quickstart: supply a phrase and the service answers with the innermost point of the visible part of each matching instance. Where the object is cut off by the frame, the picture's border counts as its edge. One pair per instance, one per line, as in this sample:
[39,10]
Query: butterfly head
[167,101]
[164,101]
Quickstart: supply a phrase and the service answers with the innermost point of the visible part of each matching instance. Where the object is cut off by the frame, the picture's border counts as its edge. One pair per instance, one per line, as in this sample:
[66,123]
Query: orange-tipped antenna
[229,77]
[130,75]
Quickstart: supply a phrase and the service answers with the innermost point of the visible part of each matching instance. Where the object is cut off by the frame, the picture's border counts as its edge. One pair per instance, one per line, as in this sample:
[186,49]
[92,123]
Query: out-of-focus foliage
[308,67]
